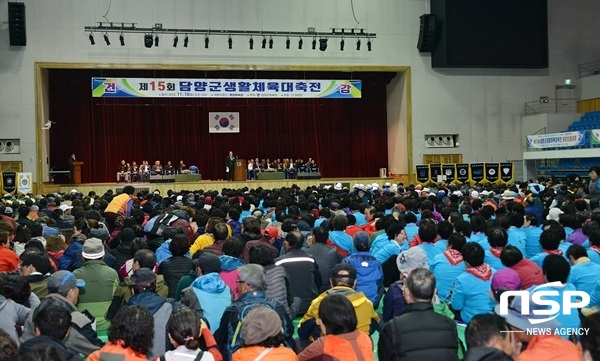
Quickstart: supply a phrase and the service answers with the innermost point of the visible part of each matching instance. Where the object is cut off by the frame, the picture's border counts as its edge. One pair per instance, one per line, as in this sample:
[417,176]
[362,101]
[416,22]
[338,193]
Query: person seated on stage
[145,172]
[309,164]
[134,171]
[182,167]
[169,169]
[291,169]
[157,168]
[313,166]
[270,166]
[122,172]
[263,165]
[301,166]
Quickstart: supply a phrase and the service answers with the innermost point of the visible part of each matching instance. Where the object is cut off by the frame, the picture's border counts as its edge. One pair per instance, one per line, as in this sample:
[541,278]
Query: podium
[239,170]
[77,172]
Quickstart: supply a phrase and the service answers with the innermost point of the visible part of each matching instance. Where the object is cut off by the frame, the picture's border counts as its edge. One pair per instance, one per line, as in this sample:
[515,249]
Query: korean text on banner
[477,172]
[422,173]
[223,122]
[24,183]
[555,140]
[491,172]
[9,182]
[224,88]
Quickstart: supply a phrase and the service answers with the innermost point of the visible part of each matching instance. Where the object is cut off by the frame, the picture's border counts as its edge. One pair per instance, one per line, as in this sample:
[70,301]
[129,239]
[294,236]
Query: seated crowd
[132,172]
[290,167]
[208,275]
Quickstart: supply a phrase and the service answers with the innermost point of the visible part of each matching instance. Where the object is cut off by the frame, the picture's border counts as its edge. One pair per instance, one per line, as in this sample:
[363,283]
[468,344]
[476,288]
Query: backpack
[161,223]
[235,334]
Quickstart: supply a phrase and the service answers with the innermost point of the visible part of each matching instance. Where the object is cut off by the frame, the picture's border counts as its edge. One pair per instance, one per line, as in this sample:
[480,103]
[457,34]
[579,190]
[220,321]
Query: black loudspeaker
[16,24]
[309,175]
[427,33]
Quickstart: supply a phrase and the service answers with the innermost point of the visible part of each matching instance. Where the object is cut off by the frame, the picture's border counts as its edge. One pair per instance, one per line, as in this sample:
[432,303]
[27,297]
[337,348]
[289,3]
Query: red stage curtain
[346,137]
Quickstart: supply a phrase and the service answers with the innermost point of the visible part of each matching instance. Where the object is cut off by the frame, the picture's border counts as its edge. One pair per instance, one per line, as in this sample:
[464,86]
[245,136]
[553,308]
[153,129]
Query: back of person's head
[36,229]
[590,340]
[16,288]
[340,223]
[550,238]
[477,221]
[338,315]
[254,276]
[294,239]
[251,225]
[343,274]
[234,214]
[497,237]
[261,255]
[576,251]
[129,190]
[445,229]
[134,325]
[456,241]
[40,261]
[516,220]
[53,320]
[463,227]
[394,229]
[35,244]
[556,268]
[170,232]
[473,254]
[427,232]
[9,351]
[510,256]
[421,284]
[351,219]
[220,232]
[184,328]
[320,235]
[145,258]
[180,245]
[233,247]
[486,330]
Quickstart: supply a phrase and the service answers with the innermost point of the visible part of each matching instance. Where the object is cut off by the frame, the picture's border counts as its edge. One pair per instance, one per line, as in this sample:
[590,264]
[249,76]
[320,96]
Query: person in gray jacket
[63,290]
[11,312]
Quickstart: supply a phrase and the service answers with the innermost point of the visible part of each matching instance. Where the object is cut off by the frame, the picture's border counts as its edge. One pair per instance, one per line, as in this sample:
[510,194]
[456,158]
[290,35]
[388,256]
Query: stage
[218,185]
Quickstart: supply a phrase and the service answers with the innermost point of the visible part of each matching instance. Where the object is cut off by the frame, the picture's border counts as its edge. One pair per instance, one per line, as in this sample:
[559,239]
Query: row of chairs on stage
[129,175]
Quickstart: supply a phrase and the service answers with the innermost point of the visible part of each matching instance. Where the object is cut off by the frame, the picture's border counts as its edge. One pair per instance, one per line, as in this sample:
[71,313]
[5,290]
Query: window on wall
[442,158]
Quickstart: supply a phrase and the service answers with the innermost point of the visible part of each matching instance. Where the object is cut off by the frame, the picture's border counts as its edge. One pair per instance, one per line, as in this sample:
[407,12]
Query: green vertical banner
[507,172]
[422,173]
[491,172]
[595,136]
[449,171]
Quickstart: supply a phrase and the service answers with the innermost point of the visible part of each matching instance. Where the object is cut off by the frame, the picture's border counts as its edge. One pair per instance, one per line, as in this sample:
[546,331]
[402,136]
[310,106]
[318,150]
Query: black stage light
[175,41]
[358,44]
[251,41]
[92,41]
[148,41]
[270,43]
[206,41]
[323,44]
[230,42]
[369,45]
[287,43]
[342,43]
[185,41]
[314,44]
[264,43]
[106,39]
[122,40]
[156,41]
[300,43]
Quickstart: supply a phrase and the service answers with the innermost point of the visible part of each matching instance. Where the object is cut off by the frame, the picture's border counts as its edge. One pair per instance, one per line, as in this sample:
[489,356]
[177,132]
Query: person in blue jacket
[428,235]
[533,232]
[397,242]
[498,240]
[339,237]
[449,265]
[585,274]
[550,240]
[368,269]
[471,294]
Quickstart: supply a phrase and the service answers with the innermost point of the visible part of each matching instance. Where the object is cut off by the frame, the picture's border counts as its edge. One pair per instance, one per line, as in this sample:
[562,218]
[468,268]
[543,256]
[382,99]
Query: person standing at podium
[72,159]
[229,163]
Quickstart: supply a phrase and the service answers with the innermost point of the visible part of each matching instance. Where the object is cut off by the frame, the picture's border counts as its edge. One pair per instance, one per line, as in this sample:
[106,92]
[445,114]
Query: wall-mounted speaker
[427,33]
[16,24]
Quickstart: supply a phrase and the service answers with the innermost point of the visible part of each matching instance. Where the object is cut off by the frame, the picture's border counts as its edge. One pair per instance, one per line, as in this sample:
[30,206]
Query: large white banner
[555,140]
[222,122]
[24,183]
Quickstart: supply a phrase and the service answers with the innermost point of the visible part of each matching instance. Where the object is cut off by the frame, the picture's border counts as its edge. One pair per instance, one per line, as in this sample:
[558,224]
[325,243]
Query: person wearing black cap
[143,286]
[208,294]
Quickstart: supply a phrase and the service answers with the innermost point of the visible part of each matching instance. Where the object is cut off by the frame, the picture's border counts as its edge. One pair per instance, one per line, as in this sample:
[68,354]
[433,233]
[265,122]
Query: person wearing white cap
[102,282]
